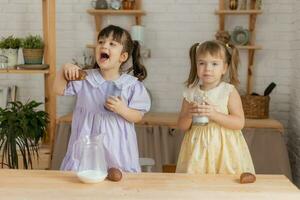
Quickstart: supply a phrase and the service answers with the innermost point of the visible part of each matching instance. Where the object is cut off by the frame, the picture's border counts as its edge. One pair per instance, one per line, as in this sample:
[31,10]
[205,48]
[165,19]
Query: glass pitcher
[89,153]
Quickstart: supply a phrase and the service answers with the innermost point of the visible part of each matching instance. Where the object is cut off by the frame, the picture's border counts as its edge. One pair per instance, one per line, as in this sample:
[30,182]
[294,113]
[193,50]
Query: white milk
[91,176]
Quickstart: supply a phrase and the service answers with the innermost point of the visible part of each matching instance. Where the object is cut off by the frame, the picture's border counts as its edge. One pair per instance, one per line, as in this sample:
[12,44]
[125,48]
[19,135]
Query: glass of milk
[89,153]
[199,119]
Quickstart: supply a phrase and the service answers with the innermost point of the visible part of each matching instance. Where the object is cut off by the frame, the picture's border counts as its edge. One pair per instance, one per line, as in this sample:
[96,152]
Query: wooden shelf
[254,47]
[115,12]
[98,13]
[238,12]
[23,71]
[252,12]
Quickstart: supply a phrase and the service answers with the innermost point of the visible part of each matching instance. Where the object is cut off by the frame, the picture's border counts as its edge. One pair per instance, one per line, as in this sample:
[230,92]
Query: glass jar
[89,155]
[200,119]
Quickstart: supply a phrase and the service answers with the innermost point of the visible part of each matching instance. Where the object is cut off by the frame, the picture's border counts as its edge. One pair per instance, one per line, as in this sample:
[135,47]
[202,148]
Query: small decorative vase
[233,4]
[128,4]
[11,56]
[258,4]
[99,4]
[243,5]
[116,4]
[3,59]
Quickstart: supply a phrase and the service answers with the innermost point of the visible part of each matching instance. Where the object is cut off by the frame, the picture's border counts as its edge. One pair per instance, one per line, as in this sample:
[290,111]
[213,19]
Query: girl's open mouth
[104,57]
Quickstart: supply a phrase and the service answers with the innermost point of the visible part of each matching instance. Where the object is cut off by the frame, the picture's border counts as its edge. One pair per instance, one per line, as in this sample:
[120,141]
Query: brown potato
[114,174]
[82,76]
[247,177]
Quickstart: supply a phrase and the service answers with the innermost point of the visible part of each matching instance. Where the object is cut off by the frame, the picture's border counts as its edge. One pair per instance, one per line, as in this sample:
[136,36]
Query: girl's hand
[192,109]
[71,71]
[115,104]
[207,109]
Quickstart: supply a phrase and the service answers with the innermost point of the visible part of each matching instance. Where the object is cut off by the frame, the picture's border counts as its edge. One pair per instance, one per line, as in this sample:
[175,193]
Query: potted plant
[33,49]
[9,47]
[21,129]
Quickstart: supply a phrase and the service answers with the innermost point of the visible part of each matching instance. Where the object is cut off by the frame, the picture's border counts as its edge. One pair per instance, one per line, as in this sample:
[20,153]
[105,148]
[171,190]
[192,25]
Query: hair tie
[198,45]
[229,49]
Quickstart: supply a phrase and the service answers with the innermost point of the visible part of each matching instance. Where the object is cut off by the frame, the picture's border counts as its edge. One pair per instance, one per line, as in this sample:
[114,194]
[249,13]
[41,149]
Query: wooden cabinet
[49,36]
[223,11]
[98,14]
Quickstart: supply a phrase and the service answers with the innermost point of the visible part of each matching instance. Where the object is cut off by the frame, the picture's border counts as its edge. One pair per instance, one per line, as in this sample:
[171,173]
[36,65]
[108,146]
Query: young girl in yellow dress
[217,147]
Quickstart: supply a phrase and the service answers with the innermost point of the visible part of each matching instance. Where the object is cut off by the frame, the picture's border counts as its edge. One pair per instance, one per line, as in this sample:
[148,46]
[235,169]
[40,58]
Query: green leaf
[10,42]
[32,42]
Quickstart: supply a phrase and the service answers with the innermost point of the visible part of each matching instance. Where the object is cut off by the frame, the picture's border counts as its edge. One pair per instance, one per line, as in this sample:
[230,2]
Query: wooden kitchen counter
[170,120]
[44,185]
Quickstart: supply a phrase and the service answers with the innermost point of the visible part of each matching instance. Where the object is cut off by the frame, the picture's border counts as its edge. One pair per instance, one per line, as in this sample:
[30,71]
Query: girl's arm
[68,72]
[131,115]
[185,116]
[235,119]
[115,104]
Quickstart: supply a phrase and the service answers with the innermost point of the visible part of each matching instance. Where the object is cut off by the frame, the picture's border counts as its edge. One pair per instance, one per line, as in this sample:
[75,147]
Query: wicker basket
[256,107]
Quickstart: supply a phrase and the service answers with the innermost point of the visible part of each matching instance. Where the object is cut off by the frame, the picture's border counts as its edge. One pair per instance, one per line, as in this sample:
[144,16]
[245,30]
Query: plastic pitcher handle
[75,150]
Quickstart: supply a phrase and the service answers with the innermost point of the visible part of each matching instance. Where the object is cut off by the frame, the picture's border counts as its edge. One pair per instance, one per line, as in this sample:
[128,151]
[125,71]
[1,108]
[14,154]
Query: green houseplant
[21,129]
[9,48]
[33,49]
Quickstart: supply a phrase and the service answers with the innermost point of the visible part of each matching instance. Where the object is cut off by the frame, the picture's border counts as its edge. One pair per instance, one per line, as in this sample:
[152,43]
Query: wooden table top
[170,120]
[37,185]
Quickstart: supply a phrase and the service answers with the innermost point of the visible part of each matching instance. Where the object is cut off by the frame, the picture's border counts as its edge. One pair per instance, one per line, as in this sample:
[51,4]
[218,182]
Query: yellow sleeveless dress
[213,149]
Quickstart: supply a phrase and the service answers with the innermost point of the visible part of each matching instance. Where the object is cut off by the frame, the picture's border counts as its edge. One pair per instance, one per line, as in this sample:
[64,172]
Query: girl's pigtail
[233,63]
[193,71]
[139,69]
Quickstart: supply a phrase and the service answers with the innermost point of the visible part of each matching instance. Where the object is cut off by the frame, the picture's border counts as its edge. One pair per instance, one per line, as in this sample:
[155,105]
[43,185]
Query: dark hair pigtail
[139,69]
[193,71]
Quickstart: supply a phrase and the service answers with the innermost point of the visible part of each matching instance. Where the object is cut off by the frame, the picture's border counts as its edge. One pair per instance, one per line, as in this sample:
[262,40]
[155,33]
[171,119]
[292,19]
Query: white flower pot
[11,55]
[3,59]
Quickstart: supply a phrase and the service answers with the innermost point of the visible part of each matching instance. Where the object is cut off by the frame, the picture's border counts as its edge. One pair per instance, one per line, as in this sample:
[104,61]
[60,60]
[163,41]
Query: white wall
[294,134]
[172,26]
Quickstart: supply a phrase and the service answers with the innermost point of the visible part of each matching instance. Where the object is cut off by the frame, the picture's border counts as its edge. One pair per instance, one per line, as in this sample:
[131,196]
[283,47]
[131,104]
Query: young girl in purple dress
[109,102]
